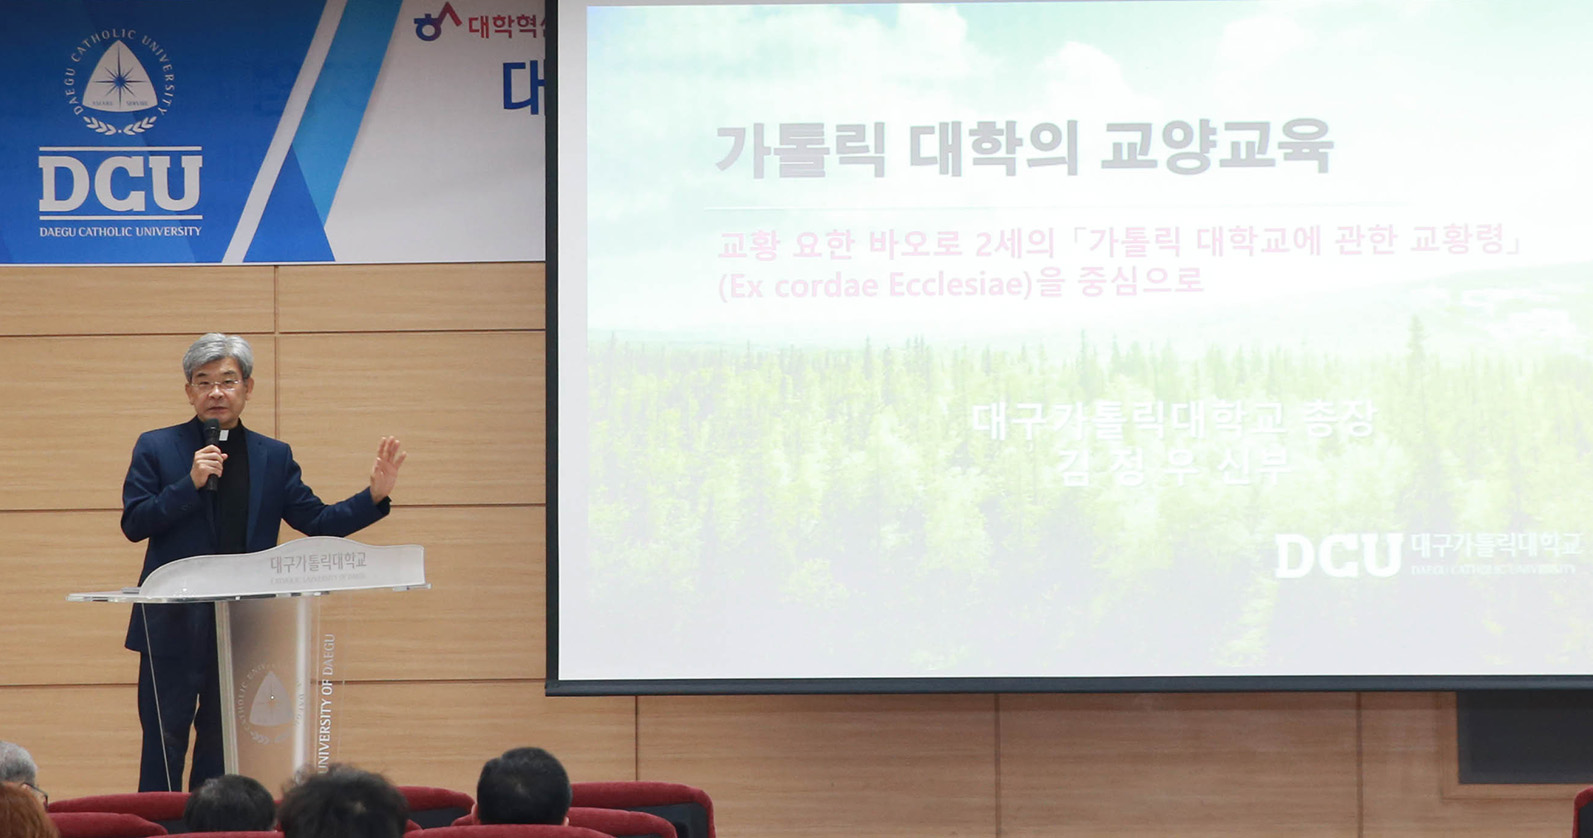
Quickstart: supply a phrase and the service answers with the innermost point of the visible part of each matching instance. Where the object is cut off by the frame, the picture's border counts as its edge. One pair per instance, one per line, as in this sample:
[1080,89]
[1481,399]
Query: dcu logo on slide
[120,83]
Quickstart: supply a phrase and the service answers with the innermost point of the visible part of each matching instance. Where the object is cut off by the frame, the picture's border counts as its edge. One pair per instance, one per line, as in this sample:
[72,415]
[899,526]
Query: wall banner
[198,131]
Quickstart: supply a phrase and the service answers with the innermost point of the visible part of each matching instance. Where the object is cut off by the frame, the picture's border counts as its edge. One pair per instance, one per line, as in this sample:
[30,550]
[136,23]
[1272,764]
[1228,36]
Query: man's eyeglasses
[43,797]
[226,384]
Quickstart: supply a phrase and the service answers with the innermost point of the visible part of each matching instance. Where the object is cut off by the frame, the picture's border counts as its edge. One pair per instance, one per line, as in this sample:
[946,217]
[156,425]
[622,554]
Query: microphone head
[212,431]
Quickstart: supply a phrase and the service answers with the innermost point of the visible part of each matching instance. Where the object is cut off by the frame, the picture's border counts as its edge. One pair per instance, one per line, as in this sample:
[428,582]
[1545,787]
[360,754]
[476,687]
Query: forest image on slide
[1079,483]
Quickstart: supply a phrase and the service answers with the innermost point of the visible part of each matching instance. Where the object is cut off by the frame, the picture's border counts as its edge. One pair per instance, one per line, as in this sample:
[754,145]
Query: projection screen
[1070,345]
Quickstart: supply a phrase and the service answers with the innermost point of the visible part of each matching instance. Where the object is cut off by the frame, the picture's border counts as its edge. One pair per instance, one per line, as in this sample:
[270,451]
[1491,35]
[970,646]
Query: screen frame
[557,686]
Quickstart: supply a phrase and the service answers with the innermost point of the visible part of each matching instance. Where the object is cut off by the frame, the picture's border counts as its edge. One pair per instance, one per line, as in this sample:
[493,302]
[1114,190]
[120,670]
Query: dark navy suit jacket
[160,503]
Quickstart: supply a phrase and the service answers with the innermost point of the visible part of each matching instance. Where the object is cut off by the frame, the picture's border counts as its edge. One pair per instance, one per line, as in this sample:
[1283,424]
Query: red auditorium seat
[686,807]
[1582,812]
[161,807]
[515,830]
[620,823]
[104,825]
[266,834]
[432,807]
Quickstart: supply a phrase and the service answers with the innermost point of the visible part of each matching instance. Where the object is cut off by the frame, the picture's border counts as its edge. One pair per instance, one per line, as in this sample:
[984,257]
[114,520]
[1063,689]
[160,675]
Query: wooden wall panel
[1404,777]
[186,301]
[47,555]
[481,619]
[75,406]
[85,739]
[1189,765]
[439,734]
[469,408]
[829,765]
[389,298]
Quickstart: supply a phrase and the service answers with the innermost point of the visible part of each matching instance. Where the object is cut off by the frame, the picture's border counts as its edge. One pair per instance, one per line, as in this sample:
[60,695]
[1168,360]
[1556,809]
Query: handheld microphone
[212,437]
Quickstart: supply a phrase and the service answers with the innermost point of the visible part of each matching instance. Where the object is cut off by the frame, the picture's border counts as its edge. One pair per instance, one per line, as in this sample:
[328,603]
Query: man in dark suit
[170,499]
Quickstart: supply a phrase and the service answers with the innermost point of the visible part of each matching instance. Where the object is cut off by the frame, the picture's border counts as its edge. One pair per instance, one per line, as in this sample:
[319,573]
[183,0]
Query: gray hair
[17,765]
[213,347]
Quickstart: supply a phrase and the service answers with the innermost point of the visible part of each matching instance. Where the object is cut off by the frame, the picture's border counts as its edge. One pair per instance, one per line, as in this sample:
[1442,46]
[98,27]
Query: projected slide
[1075,340]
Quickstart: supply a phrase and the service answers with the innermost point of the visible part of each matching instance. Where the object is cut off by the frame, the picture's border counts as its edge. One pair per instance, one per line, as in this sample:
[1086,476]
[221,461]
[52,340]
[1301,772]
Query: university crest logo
[263,702]
[119,81]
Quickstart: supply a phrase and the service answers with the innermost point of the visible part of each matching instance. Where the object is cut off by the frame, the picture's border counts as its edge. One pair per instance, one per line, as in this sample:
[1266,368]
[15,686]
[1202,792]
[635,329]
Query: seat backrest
[1582,813]
[162,807]
[104,825]
[620,823]
[236,834]
[513,830]
[430,806]
[688,808]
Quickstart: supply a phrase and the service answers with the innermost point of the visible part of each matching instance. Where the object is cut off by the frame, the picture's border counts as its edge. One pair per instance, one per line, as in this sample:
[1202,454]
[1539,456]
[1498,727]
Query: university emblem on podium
[265,706]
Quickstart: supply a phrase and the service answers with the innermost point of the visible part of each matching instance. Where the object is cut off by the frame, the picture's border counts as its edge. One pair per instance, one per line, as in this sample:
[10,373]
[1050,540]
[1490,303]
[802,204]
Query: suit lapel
[257,476]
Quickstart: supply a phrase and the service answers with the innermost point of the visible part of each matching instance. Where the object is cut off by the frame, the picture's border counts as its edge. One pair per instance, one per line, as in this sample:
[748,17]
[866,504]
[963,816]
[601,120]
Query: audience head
[22,814]
[525,785]
[17,765]
[230,803]
[344,802]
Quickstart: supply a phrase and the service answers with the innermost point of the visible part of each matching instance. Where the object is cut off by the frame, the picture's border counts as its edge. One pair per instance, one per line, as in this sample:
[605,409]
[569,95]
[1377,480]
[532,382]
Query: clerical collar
[233,434]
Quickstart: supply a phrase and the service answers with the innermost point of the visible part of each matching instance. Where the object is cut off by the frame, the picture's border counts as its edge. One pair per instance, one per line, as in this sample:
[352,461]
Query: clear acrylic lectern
[279,668]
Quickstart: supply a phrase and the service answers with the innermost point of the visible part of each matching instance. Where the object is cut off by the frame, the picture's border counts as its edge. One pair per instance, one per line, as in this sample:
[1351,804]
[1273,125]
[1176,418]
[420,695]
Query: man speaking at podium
[208,486]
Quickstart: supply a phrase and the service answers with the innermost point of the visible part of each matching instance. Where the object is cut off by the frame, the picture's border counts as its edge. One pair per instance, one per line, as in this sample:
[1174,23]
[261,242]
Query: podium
[278,664]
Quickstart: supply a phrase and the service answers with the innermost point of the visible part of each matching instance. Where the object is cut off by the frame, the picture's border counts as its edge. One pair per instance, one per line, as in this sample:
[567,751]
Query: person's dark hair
[525,785]
[230,803]
[345,802]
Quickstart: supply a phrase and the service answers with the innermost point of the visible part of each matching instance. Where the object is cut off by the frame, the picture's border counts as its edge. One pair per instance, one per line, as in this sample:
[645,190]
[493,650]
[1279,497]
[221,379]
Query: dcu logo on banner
[120,83]
[197,131]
